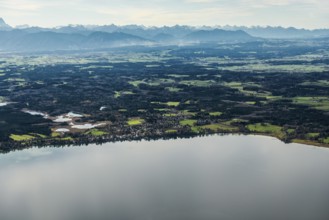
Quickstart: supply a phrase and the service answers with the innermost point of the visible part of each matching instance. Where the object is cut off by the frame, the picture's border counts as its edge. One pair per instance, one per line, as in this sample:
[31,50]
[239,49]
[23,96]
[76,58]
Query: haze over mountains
[76,37]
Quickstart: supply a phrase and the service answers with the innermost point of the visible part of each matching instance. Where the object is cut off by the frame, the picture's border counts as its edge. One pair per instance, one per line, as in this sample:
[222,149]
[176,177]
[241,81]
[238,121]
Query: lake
[216,177]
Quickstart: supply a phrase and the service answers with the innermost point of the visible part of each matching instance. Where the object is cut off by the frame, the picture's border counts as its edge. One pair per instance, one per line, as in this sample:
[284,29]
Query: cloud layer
[298,13]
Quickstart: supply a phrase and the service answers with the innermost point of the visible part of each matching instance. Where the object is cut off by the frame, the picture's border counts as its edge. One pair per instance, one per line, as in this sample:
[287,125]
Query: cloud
[24,5]
[167,12]
[291,3]
[200,1]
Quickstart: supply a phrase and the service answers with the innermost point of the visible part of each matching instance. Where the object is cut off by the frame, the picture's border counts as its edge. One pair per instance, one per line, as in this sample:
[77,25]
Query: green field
[219,127]
[198,83]
[320,103]
[215,113]
[172,104]
[188,122]
[96,132]
[135,121]
[266,128]
[312,135]
[24,137]
[171,131]
[173,89]
[170,115]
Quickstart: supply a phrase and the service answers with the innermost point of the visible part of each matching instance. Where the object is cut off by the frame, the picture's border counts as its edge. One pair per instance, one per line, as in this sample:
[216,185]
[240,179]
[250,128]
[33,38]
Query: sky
[308,14]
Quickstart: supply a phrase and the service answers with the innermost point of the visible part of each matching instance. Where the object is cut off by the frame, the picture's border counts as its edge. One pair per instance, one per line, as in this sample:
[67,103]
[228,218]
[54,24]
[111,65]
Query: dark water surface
[229,177]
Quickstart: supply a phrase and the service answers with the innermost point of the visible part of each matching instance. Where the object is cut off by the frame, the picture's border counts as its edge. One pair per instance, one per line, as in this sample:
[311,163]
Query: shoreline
[40,143]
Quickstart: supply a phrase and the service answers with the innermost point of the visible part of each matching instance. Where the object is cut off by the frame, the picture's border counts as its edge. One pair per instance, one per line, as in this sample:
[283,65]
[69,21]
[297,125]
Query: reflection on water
[231,177]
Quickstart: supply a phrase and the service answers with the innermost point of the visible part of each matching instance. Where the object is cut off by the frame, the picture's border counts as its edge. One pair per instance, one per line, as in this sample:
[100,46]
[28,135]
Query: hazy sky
[49,13]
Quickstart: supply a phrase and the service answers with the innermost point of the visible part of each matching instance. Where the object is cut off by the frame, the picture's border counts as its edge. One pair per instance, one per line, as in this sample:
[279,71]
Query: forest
[278,88]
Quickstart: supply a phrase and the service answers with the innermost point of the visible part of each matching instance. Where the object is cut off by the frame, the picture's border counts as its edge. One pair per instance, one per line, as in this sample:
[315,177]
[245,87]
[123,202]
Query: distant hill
[218,35]
[281,32]
[19,40]
[104,39]
[162,37]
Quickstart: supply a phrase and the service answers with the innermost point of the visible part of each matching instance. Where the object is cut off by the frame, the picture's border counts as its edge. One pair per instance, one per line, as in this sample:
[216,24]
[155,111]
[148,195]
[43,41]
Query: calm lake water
[216,177]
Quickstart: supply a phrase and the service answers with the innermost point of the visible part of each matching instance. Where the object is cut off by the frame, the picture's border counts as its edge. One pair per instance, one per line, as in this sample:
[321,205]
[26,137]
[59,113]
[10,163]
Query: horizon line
[164,25]
[170,26]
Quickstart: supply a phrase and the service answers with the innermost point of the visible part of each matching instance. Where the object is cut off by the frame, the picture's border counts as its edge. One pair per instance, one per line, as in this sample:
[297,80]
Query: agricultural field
[149,93]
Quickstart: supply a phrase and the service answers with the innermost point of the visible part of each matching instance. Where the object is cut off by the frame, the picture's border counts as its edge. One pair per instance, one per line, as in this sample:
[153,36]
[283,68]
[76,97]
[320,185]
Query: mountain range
[75,37]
